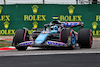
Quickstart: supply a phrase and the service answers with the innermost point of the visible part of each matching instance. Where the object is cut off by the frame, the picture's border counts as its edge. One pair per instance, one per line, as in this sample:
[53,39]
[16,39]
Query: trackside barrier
[13,17]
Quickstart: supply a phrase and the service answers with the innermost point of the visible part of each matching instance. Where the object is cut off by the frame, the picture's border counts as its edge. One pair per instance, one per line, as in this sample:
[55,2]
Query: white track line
[53,53]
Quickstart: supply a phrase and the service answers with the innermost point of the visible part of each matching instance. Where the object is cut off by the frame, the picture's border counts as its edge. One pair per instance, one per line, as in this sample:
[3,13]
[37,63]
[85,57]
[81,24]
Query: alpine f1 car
[54,34]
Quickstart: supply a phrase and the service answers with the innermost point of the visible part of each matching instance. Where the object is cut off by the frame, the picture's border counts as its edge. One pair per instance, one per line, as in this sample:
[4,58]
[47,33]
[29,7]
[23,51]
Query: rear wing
[72,24]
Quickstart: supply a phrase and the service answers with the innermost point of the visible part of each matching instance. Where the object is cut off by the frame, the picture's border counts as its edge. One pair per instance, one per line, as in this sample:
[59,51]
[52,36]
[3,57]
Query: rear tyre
[64,35]
[18,38]
[36,33]
[85,38]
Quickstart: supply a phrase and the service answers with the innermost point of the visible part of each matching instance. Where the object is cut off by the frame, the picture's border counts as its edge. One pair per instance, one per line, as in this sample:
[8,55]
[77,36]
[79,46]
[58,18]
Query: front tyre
[68,36]
[20,36]
[21,48]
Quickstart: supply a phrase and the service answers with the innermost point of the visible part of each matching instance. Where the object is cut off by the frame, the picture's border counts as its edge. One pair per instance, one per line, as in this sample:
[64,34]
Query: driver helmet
[54,27]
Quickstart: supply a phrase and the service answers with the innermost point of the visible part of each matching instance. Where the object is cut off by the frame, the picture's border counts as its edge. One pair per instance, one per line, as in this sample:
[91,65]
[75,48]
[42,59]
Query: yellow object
[6,24]
[1,9]
[55,17]
[94,25]
[35,9]
[35,24]
[71,9]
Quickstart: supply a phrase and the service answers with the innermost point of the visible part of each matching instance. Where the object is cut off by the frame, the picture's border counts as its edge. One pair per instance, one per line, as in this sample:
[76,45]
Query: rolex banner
[13,17]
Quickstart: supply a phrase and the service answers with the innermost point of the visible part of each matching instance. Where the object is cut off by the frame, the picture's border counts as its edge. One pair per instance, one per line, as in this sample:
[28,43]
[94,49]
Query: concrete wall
[38,1]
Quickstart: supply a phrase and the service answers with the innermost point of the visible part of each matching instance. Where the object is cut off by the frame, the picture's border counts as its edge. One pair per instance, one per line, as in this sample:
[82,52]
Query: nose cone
[41,38]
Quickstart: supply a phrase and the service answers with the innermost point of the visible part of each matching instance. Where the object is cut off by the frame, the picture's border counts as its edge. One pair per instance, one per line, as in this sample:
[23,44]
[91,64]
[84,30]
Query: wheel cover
[73,40]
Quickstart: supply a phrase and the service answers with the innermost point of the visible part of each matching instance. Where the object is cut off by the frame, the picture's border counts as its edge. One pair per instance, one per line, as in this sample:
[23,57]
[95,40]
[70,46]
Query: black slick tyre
[64,35]
[36,33]
[85,38]
[18,38]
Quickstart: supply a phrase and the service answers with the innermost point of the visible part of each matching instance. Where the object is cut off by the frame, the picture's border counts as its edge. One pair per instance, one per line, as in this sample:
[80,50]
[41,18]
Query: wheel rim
[73,41]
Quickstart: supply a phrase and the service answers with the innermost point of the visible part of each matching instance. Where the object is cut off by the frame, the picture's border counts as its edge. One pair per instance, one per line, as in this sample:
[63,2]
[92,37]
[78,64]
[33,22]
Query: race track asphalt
[67,60]
[36,57]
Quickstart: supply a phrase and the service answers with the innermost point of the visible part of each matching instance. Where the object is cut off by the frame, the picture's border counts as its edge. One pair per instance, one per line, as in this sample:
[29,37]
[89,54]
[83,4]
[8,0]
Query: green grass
[6,35]
[5,44]
[96,36]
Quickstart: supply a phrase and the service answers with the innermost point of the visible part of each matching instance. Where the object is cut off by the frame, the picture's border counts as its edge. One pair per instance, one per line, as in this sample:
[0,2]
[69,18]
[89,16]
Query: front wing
[47,43]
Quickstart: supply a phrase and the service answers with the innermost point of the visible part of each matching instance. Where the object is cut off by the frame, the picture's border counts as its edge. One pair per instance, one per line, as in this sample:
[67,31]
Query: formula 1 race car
[54,34]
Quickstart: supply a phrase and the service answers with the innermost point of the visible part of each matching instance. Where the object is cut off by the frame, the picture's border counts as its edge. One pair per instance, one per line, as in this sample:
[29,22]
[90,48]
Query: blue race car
[55,34]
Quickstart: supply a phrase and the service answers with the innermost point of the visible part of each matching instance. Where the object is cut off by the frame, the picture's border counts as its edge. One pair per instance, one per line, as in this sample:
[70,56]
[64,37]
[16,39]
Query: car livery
[54,34]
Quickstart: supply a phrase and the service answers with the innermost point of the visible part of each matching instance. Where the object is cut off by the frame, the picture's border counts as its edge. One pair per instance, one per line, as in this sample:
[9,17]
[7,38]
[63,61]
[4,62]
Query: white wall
[23,1]
[38,1]
[85,1]
[60,1]
[1,2]
[46,1]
